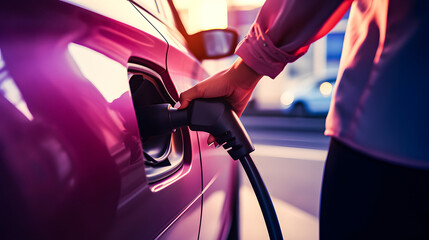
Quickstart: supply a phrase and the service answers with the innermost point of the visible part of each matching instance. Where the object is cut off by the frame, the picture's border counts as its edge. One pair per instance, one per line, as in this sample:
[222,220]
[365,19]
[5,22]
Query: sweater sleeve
[284,30]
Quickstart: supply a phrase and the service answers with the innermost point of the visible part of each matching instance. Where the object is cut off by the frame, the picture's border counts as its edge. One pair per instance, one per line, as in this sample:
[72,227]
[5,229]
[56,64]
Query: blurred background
[285,119]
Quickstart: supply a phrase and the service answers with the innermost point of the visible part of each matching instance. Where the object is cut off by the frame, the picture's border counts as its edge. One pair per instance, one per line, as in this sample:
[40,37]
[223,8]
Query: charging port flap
[163,153]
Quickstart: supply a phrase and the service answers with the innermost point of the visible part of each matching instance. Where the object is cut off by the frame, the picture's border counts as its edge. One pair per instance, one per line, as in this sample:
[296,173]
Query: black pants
[366,198]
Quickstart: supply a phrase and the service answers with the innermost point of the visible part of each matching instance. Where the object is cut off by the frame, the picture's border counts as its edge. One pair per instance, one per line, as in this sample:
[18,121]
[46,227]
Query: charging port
[164,154]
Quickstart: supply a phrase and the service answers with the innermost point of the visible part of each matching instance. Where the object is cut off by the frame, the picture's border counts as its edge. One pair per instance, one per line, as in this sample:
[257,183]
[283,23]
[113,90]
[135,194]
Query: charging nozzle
[214,116]
[217,118]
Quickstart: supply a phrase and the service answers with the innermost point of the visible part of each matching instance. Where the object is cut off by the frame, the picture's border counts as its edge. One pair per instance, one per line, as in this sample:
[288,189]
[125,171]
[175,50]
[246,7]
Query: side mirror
[213,44]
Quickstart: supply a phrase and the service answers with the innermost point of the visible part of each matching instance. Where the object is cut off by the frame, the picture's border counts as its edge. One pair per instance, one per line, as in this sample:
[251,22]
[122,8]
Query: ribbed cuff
[260,54]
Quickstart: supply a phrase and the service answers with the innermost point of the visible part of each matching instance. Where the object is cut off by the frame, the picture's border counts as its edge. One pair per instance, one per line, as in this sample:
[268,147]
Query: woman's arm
[282,33]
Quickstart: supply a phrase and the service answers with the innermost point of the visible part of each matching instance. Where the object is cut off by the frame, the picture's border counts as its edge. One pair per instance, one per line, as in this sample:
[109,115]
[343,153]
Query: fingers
[211,140]
[187,96]
[211,87]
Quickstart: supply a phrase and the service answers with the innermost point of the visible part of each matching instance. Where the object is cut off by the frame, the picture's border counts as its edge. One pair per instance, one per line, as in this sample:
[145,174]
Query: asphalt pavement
[290,154]
[287,131]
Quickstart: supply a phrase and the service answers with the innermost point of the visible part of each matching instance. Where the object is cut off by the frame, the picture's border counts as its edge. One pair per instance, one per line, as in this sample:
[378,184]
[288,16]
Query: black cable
[217,118]
[263,197]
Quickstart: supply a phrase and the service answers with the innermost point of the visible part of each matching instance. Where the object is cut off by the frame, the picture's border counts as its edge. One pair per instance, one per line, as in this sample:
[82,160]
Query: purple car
[72,162]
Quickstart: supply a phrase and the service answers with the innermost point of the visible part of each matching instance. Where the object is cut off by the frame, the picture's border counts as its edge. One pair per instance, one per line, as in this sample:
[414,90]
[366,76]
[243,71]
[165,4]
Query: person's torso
[380,105]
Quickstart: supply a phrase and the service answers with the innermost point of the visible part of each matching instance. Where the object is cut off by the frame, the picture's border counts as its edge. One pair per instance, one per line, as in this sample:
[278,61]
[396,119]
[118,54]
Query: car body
[310,96]
[72,163]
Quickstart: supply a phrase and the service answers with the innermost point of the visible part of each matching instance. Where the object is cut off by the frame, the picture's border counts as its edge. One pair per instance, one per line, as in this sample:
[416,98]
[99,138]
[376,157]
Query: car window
[150,6]
[166,13]
[160,9]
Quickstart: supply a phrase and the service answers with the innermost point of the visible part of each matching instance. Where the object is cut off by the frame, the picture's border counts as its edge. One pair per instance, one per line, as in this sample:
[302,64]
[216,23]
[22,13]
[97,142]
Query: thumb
[183,103]
[211,140]
[187,96]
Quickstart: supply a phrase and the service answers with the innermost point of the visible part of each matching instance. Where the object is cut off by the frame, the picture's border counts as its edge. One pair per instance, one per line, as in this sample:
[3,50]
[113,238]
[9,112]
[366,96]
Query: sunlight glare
[107,75]
[11,92]
[207,14]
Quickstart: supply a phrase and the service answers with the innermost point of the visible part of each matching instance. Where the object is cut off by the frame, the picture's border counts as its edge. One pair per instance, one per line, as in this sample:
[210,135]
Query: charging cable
[216,117]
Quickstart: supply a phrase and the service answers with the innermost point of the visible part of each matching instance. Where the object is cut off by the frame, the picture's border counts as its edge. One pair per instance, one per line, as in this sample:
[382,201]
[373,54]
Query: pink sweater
[380,104]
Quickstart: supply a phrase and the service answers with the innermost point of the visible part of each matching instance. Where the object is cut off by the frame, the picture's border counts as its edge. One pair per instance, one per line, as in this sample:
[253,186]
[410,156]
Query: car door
[88,60]
[220,172]
[167,198]
[220,175]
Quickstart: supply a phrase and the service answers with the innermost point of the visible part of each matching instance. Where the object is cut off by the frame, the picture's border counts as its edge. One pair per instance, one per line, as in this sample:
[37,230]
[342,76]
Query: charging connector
[208,115]
[217,118]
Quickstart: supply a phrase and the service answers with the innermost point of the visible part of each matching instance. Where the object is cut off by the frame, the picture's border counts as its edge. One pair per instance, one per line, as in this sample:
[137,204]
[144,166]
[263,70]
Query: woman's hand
[234,84]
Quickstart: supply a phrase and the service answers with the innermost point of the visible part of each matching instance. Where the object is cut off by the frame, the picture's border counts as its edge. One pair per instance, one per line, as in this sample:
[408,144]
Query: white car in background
[311,96]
